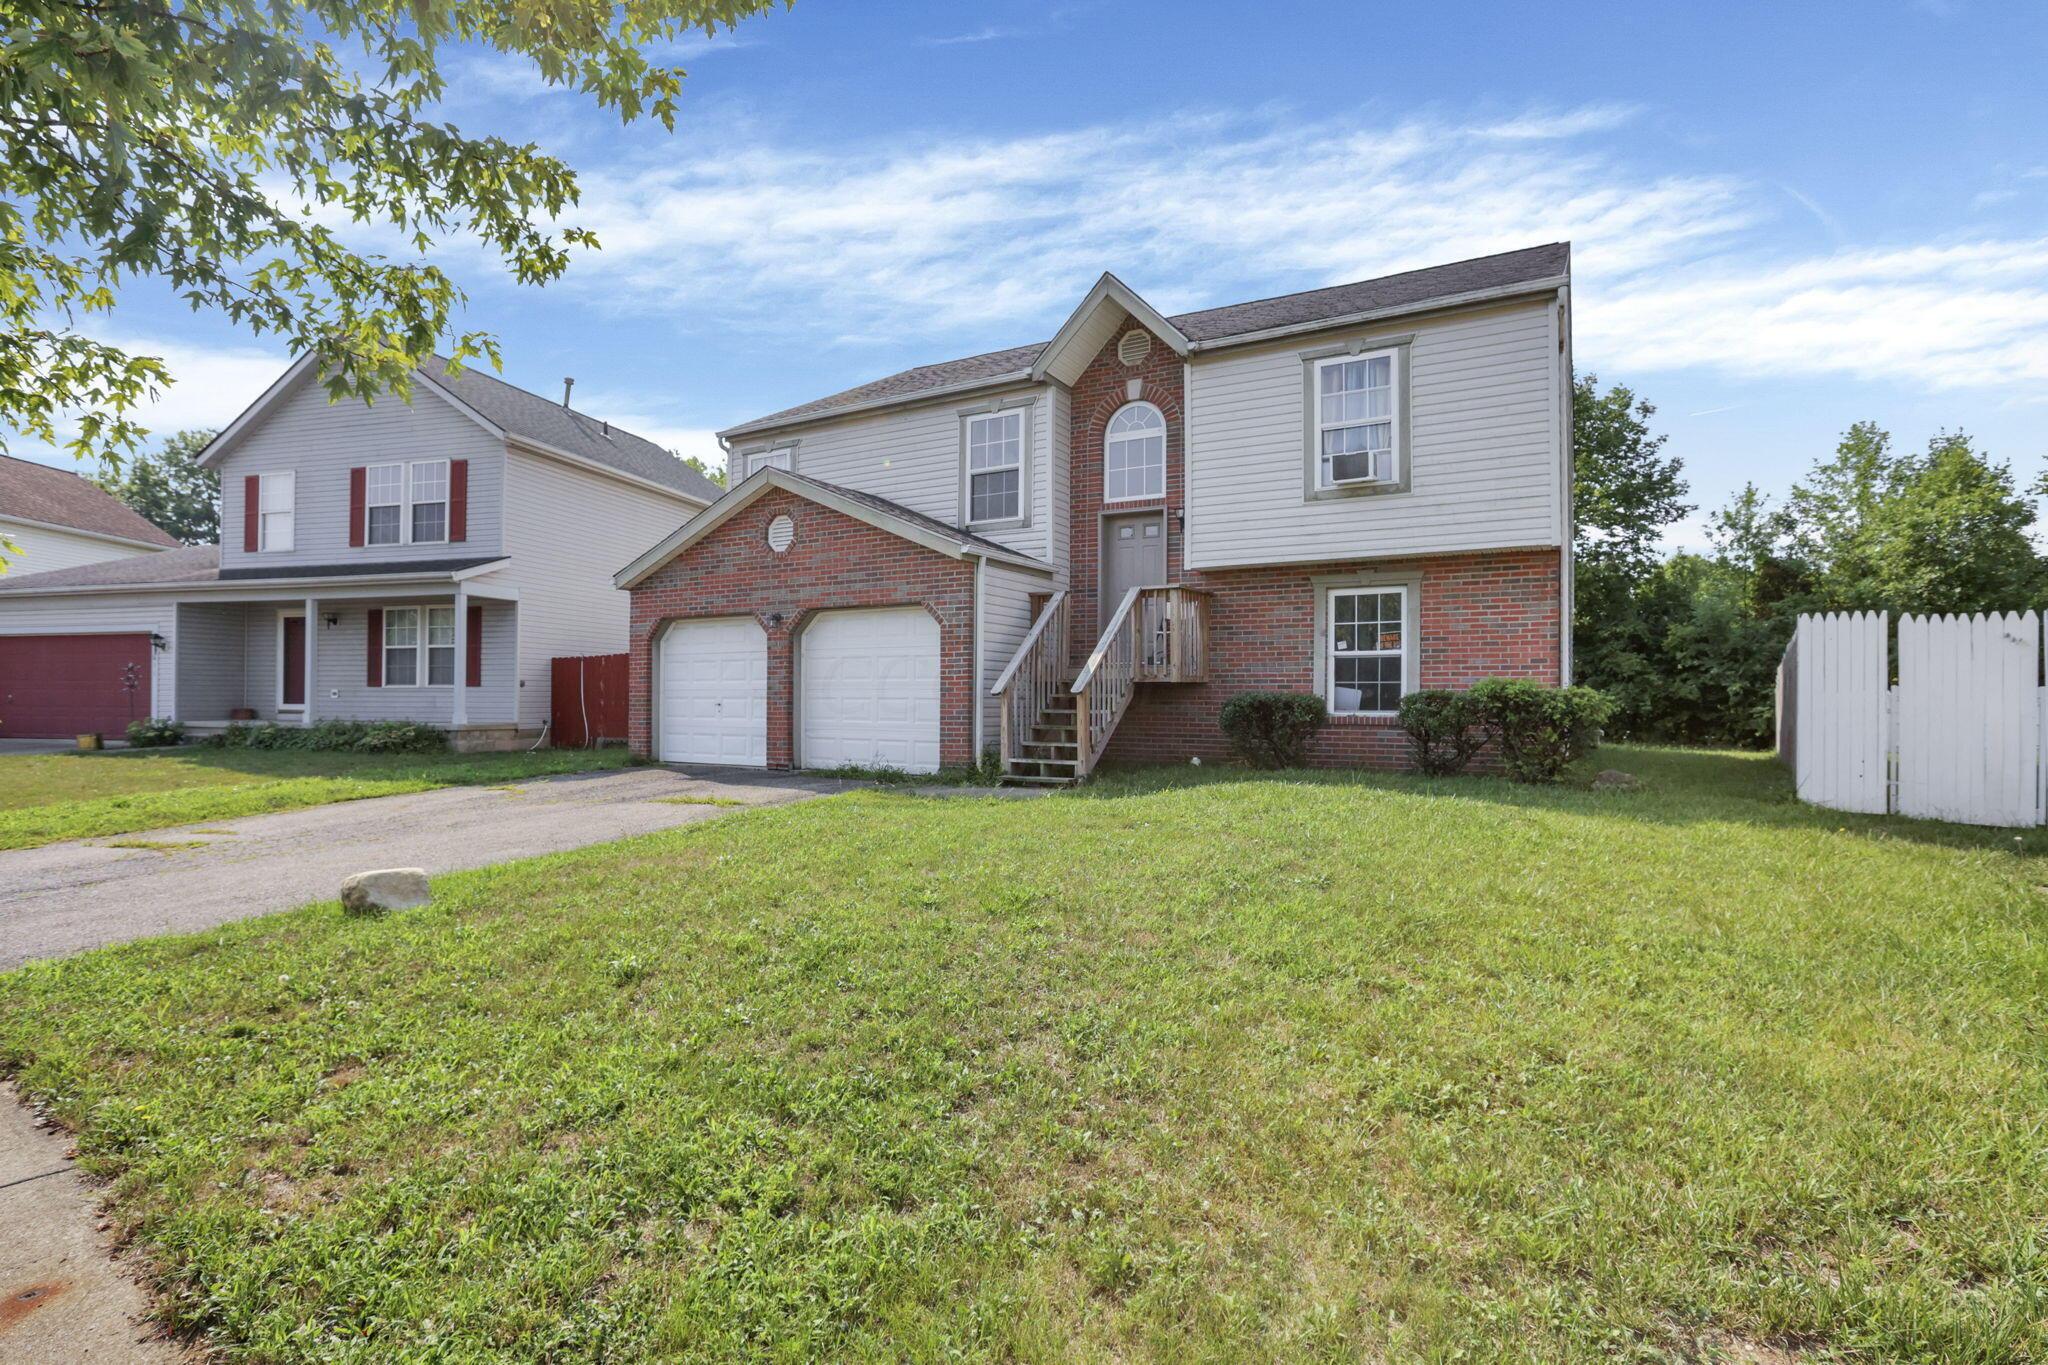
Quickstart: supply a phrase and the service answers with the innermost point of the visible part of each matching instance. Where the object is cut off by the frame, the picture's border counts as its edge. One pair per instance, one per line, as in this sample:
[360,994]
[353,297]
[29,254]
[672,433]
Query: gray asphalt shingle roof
[187,564]
[897,509]
[1409,289]
[540,419]
[40,492]
[193,564]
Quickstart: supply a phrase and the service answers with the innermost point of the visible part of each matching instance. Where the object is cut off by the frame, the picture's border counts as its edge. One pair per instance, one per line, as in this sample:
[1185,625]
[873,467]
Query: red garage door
[55,685]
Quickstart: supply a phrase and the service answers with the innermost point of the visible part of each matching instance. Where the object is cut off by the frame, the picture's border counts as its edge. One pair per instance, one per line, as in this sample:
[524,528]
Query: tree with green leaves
[213,145]
[714,474]
[171,489]
[1625,492]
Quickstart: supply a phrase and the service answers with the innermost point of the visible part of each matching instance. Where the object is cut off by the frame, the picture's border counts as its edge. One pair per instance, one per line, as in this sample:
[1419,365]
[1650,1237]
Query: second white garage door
[714,693]
[870,690]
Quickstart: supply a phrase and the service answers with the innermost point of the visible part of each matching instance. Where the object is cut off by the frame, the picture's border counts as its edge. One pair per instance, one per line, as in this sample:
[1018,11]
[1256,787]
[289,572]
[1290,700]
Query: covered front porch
[443,654]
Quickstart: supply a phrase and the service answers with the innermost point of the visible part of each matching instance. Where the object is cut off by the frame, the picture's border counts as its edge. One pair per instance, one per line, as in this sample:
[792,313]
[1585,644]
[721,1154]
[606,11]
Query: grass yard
[1180,1067]
[48,797]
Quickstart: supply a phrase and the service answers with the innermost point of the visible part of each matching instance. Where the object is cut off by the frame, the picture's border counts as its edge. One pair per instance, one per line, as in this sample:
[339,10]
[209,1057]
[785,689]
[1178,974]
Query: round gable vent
[781,534]
[1134,346]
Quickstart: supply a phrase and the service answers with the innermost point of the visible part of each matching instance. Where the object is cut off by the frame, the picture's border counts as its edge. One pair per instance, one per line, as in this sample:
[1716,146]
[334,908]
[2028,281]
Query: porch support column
[458,708]
[312,653]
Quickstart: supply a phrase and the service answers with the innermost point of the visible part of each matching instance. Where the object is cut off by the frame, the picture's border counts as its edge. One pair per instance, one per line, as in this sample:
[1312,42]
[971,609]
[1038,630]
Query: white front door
[713,696]
[870,690]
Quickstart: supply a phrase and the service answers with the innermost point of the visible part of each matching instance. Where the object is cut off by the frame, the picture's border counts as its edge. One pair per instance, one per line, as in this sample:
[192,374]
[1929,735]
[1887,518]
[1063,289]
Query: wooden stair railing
[1033,692]
[1053,733]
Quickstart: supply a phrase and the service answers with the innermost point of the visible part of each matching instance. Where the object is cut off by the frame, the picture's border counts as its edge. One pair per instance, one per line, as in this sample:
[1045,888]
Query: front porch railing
[1155,635]
[1037,673]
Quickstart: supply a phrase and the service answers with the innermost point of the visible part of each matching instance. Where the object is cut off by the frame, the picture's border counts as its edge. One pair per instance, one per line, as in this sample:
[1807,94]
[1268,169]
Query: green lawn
[47,797]
[1179,1067]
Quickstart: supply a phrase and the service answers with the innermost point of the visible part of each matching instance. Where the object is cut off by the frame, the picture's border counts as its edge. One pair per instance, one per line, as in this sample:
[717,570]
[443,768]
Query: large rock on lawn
[1614,779]
[394,888]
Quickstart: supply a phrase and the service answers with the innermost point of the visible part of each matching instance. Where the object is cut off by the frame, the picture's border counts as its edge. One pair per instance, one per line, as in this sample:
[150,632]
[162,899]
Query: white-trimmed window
[406,504]
[428,502]
[1357,399]
[1367,650]
[277,495]
[440,646]
[401,646]
[995,467]
[766,459]
[384,504]
[1134,454]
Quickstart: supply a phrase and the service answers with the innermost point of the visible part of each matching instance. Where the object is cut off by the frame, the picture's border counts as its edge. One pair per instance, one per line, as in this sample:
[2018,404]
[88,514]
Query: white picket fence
[1959,737]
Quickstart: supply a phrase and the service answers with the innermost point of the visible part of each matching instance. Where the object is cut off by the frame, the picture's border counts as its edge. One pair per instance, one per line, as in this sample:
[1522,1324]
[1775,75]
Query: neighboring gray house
[54,519]
[372,558]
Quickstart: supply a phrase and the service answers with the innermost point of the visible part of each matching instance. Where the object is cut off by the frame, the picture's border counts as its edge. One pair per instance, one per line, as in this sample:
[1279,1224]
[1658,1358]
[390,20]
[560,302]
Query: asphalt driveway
[65,898]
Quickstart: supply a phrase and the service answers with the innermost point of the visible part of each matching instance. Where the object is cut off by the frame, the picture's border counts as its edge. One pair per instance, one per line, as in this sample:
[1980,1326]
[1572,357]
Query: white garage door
[870,684]
[714,693]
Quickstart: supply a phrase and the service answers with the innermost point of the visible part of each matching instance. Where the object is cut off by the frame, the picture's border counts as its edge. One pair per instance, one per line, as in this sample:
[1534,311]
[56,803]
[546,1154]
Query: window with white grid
[995,467]
[1356,419]
[1368,639]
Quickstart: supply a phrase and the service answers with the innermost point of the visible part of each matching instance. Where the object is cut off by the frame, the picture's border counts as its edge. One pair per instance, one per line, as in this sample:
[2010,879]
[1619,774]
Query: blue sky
[1785,218]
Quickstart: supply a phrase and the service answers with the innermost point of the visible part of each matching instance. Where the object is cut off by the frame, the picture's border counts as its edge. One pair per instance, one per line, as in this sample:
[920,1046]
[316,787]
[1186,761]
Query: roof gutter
[13,520]
[248,585]
[1547,285]
[869,405]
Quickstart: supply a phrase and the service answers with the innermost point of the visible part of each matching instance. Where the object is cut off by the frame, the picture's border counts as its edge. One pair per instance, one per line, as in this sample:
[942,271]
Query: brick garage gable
[834,562]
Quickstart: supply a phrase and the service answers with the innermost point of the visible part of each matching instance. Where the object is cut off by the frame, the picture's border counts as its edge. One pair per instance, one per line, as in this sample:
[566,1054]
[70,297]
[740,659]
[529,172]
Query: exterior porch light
[332,618]
[157,643]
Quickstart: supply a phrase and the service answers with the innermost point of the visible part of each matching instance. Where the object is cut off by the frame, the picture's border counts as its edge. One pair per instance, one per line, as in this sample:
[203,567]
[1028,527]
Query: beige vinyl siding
[38,549]
[341,664]
[568,531]
[1484,457]
[912,456]
[111,614]
[211,659]
[320,442]
[1006,620]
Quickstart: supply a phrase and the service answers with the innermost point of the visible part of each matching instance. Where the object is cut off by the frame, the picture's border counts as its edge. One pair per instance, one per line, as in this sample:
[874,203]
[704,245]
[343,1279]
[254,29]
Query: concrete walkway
[65,898]
[62,1294]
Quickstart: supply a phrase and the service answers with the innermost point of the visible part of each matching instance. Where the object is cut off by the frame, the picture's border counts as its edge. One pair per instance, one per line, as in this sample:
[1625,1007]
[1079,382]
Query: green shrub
[1541,730]
[157,732]
[1272,729]
[1444,730]
[338,736]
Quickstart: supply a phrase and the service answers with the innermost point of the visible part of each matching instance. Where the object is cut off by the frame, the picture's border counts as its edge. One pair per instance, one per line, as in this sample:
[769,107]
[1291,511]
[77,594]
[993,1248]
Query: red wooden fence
[589,700]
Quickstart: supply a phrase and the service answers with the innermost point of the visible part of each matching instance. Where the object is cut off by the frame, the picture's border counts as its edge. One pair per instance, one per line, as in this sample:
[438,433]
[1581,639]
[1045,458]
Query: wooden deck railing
[1155,635]
[1037,673]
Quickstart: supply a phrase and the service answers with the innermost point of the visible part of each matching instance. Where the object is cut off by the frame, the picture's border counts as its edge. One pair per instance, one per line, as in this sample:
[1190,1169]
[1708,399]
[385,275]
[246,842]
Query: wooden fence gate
[1959,737]
[588,701]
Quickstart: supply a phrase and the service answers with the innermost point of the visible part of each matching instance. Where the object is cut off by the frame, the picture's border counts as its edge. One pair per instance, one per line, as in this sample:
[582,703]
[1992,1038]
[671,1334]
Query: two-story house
[1085,547]
[419,560]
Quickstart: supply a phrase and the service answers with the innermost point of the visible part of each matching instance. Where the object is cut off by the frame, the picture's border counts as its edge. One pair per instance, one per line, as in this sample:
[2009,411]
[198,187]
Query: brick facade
[835,561]
[1488,615]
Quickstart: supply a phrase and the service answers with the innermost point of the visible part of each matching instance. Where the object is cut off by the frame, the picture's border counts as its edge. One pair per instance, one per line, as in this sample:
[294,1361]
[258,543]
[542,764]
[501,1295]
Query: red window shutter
[375,677]
[252,510]
[475,676]
[358,483]
[458,500]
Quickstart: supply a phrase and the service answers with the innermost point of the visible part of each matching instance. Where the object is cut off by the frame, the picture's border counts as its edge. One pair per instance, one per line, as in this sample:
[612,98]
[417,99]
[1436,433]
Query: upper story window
[384,504]
[1367,650]
[766,459]
[1357,402]
[995,467]
[1134,454]
[429,502]
[275,503]
[406,504]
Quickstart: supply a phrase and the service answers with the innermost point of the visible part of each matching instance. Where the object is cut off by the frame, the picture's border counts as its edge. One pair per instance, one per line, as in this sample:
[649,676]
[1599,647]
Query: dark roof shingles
[186,564]
[40,492]
[538,419]
[1410,288]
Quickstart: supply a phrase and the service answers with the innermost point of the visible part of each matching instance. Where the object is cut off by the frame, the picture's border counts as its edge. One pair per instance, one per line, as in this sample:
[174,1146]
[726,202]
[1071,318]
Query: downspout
[980,587]
[725,446]
[1187,457]
[1569,571]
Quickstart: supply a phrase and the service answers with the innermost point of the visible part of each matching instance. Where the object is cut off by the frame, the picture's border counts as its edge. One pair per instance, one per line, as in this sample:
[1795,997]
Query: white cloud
[953,240]
[981,35]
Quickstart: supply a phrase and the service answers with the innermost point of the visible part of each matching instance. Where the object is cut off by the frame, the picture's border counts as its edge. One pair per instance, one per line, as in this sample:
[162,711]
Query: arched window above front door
[1134,454]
